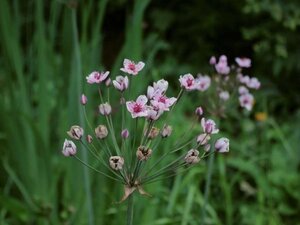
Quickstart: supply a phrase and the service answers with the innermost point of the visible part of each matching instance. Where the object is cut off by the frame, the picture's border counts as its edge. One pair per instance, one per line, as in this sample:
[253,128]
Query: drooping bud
[89,138]
[83,99]
[202,139]
[207,148]
[153,133]
[69,148]
[222,145]
[75,132]
[101,131]
[199,111]
[125,134]
[192,157]
[116,162]
[166,131]
[143,153]
[105,109]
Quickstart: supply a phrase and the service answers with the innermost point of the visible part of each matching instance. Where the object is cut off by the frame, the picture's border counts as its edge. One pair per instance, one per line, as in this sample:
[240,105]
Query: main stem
[130,210]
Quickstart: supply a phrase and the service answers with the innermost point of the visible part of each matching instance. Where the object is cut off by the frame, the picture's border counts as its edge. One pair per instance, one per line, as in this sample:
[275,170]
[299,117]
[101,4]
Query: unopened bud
[101,131]
[116,162]
[75,132]
[153,133]
[105,109]
[202,139]
[124,133]
[89,138]
[207,148]
[166,131]
[83,99]
[212,60]
[69,148]
[222,145]
[108,82]
[199,111]
[192,157]
[143,153]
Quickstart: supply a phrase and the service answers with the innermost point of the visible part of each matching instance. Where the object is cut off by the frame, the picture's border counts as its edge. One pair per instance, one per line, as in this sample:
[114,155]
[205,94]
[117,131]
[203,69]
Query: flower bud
[202,139]
[207,148]
[75,132]
[199,111]
[69,148]
[209,126]
[166,131]
[116,162]
[153,133]
[143,153]
[125,134]
[212,60]
[192,157]
[89,138]
[105,109]
[108,82]
[101,131]
[222,145]
[83,99]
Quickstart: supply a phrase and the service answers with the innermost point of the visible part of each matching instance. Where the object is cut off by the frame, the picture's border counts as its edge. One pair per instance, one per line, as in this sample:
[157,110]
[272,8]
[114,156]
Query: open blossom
[153,114]
[243,90]
[192,157]
[222,66]
[105,109]
[138,108]
[131,67]
[202,82]
[243,62]
[203,139]
[159,88]
[187,81]
[69,148]
[253,83]
[121,83]
[162,102]
[224,95]
[246,101]
[96,77]
[209,126]
[116,162]
[222,145]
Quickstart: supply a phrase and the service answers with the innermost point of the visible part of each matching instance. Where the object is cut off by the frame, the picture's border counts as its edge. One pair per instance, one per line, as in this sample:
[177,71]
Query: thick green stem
[130,209]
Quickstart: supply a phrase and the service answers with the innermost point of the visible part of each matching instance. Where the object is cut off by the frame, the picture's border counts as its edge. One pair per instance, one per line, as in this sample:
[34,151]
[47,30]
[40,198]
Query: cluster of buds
[124,154]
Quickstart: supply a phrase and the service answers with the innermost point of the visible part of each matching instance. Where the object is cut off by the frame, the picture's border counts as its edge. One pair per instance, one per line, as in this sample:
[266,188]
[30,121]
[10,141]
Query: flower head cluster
[126,145]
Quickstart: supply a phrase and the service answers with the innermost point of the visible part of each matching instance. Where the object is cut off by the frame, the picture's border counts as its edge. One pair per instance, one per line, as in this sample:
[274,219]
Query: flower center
[131,67]
[189,82]
[137,108]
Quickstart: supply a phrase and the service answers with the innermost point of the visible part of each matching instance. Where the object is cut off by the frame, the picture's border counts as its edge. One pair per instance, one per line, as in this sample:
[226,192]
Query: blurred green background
[47,48]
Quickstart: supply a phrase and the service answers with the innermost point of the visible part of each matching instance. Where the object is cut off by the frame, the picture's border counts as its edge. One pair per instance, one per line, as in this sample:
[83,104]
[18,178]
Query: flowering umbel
[134,127]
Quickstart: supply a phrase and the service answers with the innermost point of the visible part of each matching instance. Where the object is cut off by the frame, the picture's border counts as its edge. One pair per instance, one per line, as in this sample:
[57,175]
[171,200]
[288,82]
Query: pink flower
[209,126]
[243,90]
[246,101]
[96,77]
[187,81]
[121,83]
[105,109]
[69,148]
[243,62]
[138,108]
[203,139]
[243,79]
[224,95]
[162,102]
[222,66]
[159,88]
[202,82]
[253,83]
[131,68]
[222,145]
[83,99]
[153,114]
[212,60]
[199,111]
[125,133]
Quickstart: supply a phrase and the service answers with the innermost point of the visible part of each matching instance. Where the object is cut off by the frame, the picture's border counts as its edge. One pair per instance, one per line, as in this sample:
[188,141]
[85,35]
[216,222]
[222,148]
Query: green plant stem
[207,186]
[130,210]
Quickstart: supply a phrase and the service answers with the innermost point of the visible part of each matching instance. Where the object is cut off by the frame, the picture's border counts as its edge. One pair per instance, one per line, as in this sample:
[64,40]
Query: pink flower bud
[166,131]
[212,60]
[101,131]
[83,99]
[192,157]
[199,111]
[69,148]
[105,109]
[108,82]
[125,133]
[209,126]
[202,139]
[89,138]
[222,145]
[116,162]
[143,153]
[75,132]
